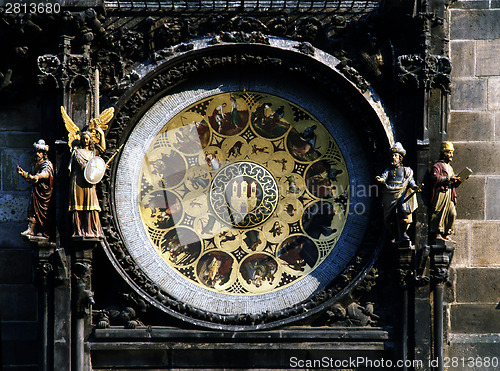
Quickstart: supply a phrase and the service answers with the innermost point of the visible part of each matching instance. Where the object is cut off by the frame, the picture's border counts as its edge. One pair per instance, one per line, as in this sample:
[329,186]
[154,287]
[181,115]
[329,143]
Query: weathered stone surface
[16,338]
[474,350]
[484,244]
[469,94]
[10,234]
[470,202]
[19,330]
[492,203]
[463,58]
[471,4]
[21,140]
[19,267]
[471,318]
[494,93]
[15,354]
[18,302]
[486,287]
[488,63]
[465,126]
[14,208]
[461,256]
[449,292]
[497,126]
[475,24]
[482,158]
[11,181]
[21,117]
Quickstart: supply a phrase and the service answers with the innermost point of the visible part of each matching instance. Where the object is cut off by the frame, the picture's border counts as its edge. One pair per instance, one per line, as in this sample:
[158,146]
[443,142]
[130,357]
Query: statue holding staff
[398,200]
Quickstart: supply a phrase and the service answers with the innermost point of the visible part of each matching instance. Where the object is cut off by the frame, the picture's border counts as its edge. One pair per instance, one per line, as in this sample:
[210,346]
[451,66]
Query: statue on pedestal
[444,196]
[41,179]
[398,200]
[86,169]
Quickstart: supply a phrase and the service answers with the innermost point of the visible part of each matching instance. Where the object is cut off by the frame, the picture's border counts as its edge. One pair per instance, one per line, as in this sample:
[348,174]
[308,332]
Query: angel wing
[103,119]
[73,130]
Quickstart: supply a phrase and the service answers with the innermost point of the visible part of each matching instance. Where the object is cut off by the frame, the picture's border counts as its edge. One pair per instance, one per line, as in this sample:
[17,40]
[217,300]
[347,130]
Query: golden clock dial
[243,193]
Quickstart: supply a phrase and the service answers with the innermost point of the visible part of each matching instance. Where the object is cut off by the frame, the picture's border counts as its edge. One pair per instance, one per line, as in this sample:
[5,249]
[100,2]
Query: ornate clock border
[186,64]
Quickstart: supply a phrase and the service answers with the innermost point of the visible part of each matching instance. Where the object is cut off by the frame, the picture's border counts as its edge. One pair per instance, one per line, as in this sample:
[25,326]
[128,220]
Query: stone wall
[474,310]
[19,129]
[475,130]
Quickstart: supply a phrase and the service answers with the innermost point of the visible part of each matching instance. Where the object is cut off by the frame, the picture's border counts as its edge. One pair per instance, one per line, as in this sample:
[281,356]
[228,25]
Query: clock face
[240,201]
[242,197]
[242,194]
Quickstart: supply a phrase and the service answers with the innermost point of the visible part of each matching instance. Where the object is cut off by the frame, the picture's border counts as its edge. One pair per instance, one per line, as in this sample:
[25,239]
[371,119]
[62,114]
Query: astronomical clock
[239,204]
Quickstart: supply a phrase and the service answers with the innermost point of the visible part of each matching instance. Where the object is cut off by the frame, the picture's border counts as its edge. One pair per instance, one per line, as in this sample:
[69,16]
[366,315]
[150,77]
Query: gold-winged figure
[86,169]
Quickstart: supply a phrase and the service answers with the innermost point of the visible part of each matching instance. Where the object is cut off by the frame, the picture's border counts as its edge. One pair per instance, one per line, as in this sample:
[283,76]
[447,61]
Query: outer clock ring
[363,244]
[326,250]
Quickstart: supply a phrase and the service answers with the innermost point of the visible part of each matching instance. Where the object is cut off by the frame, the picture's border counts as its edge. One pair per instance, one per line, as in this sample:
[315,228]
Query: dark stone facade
[68,302]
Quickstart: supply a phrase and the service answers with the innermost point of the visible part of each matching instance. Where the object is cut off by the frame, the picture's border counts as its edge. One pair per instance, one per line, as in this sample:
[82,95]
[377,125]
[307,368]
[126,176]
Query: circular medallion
[243,194]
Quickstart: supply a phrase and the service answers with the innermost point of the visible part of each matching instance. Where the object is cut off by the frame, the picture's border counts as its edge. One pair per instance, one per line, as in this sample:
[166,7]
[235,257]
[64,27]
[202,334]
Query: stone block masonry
[474,128]
[19,129]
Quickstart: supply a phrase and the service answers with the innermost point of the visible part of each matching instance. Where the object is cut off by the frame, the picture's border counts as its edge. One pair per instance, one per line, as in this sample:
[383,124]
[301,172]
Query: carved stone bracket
[44,255]
[405,262]
[63,70]
[410,69]
[84,297]
[438,72]
[430,72]
[50,261]
[441,256]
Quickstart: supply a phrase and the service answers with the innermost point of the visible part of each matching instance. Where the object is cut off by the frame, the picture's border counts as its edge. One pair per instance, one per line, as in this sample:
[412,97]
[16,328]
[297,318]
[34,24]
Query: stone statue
[353,315]
[398,200]
[118,316]
[444,197]
[41,180]
[85,145]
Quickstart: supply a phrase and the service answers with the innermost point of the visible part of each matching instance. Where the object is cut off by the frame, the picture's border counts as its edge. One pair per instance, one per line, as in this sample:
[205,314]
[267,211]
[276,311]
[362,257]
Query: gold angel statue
[86,169]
